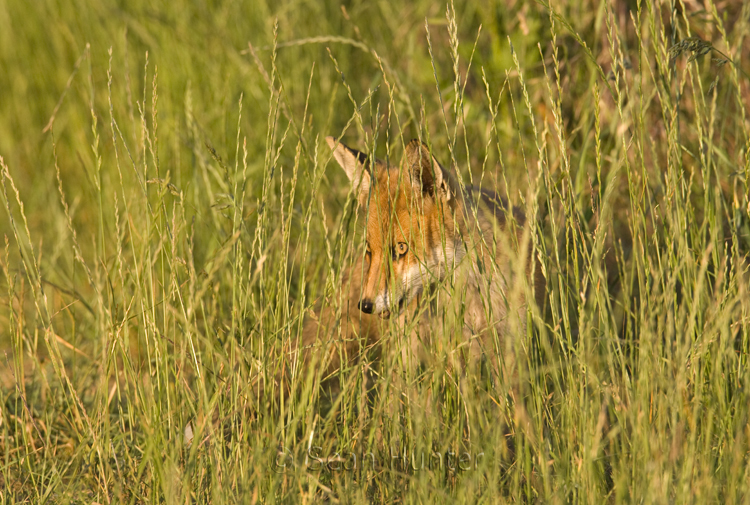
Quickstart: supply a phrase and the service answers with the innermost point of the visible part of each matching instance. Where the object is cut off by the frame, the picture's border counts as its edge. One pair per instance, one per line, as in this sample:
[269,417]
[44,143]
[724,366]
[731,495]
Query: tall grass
[173,215]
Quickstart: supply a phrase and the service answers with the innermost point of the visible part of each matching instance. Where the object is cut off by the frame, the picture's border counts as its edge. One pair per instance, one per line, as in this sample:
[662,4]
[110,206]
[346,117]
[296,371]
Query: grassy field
[171,213]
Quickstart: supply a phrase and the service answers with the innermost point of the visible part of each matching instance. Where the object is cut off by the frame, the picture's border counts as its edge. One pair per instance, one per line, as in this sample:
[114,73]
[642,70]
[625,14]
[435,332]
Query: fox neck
[470,227]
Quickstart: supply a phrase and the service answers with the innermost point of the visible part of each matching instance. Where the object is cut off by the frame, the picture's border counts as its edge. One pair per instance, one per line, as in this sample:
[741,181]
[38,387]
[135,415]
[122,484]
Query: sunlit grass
[172,215]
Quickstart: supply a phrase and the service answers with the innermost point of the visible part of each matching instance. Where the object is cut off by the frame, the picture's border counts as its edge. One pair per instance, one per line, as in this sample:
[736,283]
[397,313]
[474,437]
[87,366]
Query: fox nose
[365,306]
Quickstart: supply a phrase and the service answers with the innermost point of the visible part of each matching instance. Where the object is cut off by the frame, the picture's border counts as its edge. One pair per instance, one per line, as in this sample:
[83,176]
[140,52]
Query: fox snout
[366,306]
[369,307]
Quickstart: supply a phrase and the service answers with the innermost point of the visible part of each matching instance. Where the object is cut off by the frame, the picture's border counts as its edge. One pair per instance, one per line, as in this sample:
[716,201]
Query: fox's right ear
[354,164]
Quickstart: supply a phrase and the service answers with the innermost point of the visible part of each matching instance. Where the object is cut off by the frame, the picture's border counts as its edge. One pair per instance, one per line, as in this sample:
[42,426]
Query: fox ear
[354,164]
[426,172]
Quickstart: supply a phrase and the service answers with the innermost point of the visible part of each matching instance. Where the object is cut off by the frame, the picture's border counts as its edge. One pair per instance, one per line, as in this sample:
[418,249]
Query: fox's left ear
[355,164]
[427,172]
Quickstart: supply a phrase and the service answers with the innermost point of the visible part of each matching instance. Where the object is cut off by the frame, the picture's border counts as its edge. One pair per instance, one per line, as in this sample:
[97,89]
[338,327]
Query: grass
[172,212]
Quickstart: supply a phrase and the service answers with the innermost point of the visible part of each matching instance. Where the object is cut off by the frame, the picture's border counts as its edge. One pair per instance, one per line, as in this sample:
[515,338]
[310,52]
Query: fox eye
[400,249]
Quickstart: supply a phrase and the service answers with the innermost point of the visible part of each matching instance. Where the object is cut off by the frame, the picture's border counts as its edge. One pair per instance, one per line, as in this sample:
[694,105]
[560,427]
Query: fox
[437,255]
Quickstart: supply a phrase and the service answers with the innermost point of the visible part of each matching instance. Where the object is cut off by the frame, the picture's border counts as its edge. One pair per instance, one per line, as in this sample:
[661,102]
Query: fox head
[412,239]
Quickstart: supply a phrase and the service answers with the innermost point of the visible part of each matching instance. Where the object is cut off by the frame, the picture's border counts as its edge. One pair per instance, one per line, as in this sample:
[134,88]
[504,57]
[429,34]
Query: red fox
[437,256]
